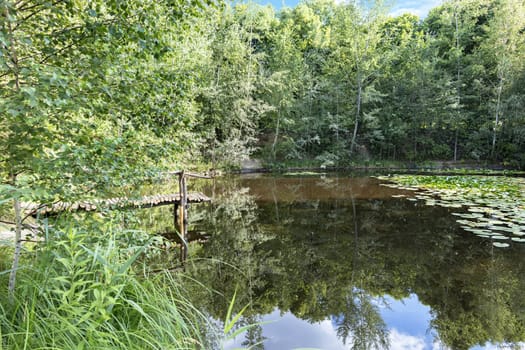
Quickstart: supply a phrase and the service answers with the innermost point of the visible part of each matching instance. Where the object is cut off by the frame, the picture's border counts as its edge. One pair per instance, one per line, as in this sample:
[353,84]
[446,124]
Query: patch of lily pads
[491,207]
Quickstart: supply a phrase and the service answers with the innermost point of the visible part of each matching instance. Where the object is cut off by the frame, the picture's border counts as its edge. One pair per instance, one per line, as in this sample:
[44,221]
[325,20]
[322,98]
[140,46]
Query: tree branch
[24,19]
[68,46]
[29,226]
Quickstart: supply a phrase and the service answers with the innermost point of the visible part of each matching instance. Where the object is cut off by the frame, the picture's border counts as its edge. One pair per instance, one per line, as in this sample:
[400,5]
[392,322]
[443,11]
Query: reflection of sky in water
[408,322]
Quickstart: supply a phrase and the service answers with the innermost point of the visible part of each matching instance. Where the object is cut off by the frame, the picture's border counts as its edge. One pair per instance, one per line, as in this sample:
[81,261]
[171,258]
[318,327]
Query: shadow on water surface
[341,258]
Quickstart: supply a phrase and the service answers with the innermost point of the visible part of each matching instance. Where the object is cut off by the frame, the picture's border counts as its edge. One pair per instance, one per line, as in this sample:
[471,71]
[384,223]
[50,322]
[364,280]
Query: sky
[408,323]
[417,7]
[407,320]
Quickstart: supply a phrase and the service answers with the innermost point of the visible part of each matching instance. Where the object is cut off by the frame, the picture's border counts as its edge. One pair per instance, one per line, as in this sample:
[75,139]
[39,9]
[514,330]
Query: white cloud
[400,341]
[437,345]
[418,8]
[290,332]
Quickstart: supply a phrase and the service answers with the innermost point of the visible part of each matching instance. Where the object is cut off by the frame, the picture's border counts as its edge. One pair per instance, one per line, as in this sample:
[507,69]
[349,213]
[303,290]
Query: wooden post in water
[180,209]
[176,216]
[183,215]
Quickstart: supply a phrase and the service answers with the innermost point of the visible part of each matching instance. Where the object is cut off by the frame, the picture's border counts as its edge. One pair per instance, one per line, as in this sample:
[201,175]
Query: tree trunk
[357,113]
[456,146]
[497,116]
[18,249]
[415,147]
[337,116]
[16,201]
[276,137]
[458,82]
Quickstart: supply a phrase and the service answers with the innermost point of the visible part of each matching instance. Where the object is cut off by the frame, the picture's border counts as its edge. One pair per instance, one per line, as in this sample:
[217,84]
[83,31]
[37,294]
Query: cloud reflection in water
[407,321]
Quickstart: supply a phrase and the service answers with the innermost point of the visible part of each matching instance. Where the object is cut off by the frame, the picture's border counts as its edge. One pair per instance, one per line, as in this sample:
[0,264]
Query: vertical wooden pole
[176,216]
[183,215]
[176,219]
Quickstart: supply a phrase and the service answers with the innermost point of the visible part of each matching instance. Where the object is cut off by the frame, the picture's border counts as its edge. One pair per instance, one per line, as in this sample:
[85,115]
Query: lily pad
[464,222]
[493,205]
[469,215]
[451,205]
[478,231]
[501,228]
[499,237]
[477,210]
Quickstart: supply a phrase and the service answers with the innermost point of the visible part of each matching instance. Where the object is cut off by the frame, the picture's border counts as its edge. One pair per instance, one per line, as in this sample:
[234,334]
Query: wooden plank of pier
[117,203]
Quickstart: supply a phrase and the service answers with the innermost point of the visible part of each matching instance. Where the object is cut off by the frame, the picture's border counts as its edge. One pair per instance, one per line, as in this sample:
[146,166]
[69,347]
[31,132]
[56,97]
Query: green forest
[100,96]
[96,90]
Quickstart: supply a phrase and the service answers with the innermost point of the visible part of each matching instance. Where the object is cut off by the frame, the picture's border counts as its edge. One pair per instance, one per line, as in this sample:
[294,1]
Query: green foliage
[351,82]
[105,94]
[79,291]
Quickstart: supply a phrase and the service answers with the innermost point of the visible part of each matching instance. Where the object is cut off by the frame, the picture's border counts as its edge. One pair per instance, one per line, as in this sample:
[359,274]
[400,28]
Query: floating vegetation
[488,206]
[498,237]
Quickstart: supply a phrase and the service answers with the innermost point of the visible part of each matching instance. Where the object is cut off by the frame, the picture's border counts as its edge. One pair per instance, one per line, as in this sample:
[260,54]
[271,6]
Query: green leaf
[124,267]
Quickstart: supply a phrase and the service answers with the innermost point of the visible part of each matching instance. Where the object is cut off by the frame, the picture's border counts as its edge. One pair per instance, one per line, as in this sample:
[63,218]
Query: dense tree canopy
[95,91]
[97,94]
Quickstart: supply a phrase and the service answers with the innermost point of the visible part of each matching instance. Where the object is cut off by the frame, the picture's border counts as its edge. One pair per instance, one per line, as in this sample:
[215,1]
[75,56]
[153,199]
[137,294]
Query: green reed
[83,291]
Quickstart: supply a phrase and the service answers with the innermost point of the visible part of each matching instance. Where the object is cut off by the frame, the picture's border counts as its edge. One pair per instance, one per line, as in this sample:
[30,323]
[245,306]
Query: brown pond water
[336,262]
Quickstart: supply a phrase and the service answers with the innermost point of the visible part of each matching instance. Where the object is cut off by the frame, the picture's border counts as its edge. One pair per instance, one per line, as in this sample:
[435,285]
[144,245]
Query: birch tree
[506,46]
[355,56]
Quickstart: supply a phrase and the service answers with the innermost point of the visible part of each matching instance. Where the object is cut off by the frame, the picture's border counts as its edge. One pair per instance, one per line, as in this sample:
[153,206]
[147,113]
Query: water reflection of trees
[360,323]
[490,303]
[306,258]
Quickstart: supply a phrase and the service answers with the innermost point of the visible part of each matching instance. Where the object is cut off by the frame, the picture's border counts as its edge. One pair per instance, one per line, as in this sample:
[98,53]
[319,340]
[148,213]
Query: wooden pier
[116,203]
[180,202]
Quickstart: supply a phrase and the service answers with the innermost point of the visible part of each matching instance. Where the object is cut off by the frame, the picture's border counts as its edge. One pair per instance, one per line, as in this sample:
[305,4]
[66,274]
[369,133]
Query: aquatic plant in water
[491,207]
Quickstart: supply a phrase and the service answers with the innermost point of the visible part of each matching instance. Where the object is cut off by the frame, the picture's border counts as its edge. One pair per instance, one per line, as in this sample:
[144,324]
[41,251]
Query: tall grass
[77,292]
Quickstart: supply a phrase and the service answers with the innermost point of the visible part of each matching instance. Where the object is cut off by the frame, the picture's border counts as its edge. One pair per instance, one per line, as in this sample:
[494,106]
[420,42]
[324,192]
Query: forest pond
[344,262]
